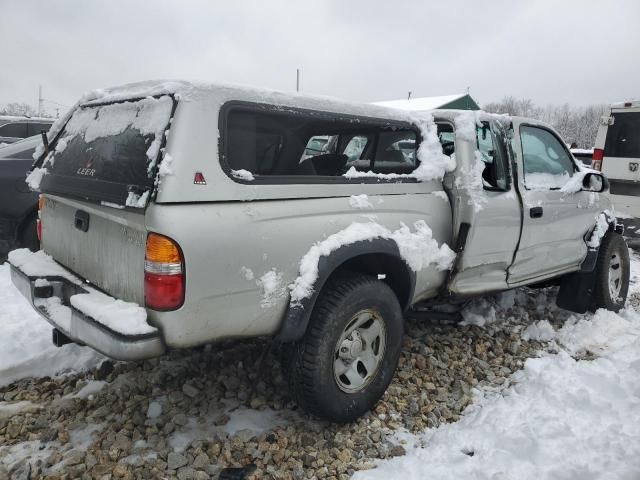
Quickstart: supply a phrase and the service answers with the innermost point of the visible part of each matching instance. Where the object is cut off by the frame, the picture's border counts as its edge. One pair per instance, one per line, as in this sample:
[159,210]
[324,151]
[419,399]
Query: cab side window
[546,163]
[495,171]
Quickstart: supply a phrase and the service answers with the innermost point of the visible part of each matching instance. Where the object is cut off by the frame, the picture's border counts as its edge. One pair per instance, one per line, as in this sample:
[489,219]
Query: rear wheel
[349,354]
[612,273]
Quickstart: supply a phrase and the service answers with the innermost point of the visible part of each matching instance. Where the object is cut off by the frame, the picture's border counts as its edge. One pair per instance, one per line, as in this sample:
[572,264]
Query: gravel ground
[193,413]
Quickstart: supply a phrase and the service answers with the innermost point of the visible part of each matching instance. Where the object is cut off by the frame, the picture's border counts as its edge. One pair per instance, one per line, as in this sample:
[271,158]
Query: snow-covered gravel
[25,344]
[521,390]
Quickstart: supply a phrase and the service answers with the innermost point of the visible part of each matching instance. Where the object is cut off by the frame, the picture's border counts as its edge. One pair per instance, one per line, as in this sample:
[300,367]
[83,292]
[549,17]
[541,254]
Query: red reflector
[598,154]
[596,159]
[198,179]
[163,292]
[39,229]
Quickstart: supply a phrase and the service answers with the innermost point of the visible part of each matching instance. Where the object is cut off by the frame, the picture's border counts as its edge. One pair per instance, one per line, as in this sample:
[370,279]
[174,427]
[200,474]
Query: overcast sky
[579,52]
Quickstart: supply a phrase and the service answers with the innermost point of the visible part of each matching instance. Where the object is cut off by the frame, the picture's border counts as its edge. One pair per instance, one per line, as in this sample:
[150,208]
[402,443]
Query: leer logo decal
[87,170]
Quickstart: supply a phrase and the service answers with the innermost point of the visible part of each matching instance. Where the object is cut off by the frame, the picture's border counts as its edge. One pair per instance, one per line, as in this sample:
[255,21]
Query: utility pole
[39,100]
[297,79]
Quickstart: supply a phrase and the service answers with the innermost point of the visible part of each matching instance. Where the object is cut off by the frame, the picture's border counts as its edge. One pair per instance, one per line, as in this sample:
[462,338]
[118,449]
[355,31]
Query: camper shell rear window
[109,152]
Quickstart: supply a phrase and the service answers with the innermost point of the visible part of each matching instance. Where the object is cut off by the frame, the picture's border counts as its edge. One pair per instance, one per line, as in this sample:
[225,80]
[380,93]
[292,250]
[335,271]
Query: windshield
[109,152]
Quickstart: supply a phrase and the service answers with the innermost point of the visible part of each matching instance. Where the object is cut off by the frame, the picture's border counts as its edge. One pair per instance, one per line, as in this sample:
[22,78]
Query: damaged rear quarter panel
[220,238]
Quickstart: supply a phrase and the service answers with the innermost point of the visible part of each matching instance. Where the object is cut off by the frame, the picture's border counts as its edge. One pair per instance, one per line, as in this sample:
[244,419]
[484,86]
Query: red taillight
[162,291]
[596,159]
[163,273]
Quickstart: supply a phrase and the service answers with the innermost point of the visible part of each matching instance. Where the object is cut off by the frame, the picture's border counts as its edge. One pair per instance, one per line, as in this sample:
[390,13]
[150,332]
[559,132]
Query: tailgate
[109,254]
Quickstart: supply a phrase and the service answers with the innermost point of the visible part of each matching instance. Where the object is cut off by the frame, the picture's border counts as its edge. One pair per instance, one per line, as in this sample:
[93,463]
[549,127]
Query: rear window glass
[109,152]
[623,137]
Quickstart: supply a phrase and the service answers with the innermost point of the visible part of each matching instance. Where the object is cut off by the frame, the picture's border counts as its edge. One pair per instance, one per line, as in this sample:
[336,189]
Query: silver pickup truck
[174,215]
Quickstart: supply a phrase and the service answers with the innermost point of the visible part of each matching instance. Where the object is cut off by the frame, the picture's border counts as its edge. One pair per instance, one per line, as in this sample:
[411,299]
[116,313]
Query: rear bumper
[53,300]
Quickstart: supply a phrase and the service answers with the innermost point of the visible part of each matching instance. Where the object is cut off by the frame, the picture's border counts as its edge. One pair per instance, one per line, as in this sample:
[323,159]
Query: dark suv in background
[18,204]
[14,128]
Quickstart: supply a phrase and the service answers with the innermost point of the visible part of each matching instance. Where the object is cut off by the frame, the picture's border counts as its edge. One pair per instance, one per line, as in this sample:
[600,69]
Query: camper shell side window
[289,145]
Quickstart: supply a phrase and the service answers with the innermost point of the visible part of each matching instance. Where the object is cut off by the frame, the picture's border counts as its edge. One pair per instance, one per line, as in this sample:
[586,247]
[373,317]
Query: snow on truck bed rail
[127,318]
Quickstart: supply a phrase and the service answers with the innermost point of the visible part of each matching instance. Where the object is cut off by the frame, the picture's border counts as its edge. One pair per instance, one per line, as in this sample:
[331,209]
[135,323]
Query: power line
[56,103]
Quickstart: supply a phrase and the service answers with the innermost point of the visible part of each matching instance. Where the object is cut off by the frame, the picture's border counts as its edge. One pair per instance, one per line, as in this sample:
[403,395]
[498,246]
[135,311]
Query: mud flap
[576,292]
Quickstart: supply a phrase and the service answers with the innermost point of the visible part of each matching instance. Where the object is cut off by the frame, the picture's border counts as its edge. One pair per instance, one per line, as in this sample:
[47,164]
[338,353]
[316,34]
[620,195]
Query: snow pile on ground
[242,421]
[26,349]
[562,418]
[418,249]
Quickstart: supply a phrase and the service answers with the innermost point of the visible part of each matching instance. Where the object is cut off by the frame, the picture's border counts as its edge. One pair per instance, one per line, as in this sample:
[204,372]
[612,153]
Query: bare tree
[18,108]
[579,125]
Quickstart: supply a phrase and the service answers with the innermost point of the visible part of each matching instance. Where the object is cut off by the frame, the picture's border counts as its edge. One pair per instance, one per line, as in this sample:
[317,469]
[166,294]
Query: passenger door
[486,206]
[554,223]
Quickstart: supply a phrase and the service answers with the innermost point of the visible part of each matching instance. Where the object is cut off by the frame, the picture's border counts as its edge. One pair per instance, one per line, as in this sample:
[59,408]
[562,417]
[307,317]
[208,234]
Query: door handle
[535,212]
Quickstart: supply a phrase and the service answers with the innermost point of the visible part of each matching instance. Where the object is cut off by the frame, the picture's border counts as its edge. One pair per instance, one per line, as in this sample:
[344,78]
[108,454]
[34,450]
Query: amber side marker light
[163,273]
[39,219]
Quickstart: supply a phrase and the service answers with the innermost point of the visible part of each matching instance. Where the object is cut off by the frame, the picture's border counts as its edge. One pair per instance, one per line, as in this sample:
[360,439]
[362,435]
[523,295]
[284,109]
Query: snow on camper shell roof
[421,103]
[185,90]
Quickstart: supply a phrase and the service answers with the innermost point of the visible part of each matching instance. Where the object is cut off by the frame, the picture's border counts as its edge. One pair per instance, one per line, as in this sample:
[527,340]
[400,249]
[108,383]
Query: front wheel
[612,273]
[349,353]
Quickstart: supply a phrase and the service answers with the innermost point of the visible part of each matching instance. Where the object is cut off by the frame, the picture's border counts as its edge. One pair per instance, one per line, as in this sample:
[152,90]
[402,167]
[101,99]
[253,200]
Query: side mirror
[594,182]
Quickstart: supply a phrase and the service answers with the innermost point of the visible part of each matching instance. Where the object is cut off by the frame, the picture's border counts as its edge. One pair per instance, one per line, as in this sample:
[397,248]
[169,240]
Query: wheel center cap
[356,348]
[352,347]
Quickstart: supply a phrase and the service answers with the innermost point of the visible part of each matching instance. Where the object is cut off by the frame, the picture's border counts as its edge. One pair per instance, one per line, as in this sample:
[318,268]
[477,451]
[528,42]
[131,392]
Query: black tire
[613,250]
[311,360]
[28,237]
